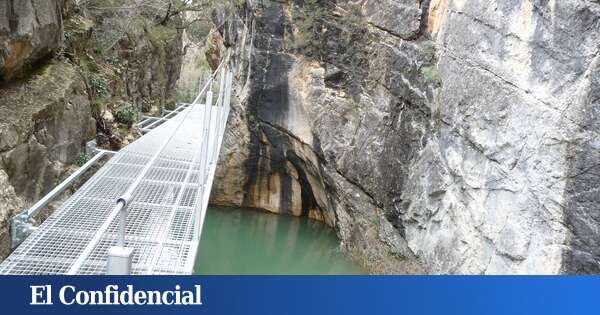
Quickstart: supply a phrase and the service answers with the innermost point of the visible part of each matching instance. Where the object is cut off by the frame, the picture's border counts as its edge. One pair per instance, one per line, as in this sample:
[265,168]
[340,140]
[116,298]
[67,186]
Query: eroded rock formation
[11,204]
[454,137]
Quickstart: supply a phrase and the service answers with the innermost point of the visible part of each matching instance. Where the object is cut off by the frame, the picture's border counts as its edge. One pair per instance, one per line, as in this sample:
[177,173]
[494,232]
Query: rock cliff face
[52,89]
[35,136]
[130,61]
[444,136]
[29,30]
[37,145]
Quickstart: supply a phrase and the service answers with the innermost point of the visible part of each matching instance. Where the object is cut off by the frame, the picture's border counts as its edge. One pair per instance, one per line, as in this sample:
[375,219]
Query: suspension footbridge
[142,212]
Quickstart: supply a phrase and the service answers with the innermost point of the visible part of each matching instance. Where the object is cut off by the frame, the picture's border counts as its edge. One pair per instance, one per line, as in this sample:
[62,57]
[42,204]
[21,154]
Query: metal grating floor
[166,213]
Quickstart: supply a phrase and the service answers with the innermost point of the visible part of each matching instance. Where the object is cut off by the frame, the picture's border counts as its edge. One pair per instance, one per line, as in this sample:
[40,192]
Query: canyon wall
[441,136]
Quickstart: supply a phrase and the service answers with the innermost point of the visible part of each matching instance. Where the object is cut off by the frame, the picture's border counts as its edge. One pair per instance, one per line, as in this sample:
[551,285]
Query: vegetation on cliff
[333,33]
[130,55]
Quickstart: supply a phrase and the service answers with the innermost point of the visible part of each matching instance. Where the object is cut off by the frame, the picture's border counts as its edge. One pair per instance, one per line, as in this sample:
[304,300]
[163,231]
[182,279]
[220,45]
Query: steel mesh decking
[164,217]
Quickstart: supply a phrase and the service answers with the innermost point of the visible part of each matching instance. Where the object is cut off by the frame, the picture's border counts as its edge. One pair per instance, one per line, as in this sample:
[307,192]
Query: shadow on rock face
[582,210]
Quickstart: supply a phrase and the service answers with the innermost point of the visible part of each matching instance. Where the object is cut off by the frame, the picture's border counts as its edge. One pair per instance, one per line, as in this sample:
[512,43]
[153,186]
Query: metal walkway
[152,194]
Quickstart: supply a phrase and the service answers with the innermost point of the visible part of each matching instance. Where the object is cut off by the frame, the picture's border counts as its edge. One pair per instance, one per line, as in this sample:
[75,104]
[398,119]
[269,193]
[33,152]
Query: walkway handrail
[212,76]
[64,184]
[20,227]
[224,112]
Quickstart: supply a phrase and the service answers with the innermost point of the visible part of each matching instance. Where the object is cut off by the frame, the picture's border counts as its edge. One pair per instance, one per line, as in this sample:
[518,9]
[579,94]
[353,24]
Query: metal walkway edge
[169,172]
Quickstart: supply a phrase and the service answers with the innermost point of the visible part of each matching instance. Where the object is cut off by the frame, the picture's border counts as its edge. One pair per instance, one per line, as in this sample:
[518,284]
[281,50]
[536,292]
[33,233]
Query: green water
[242,241]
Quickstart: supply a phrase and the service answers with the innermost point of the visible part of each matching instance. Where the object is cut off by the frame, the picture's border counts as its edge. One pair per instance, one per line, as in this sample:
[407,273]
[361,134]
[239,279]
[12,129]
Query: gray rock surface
[467,141]
[44,125]
[43,130]
[397,17]
[46,101]
[29,30]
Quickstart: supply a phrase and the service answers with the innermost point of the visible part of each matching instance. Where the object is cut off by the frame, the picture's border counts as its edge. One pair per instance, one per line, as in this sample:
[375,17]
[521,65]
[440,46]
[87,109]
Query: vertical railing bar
[222,96]
[204,197]
[203,157]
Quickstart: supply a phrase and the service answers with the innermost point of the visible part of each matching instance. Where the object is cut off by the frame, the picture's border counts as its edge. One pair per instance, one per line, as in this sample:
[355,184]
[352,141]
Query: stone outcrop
[490,193]
[457,137]
[45,122]
[46,115]
[37,142]
[386,15]
[29,31]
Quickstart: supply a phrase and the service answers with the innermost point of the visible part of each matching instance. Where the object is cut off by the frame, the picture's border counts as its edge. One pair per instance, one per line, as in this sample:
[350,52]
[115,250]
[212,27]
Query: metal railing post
[222,109]
[201,192]
[204,149]
[210,154]
[120,257]
[122,226]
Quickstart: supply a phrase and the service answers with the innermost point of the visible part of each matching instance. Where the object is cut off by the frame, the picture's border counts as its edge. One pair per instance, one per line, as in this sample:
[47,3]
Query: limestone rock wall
[45,114]
[130,61]
[509,139]
[42,133]
[455,137]
[29,30]
[36,136]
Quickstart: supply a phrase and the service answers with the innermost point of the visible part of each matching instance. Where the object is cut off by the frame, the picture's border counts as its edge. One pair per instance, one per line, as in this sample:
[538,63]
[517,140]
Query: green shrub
[88,62]
[82,159]
[163,33]
[126,114]
[170,105]
[99,85]
[69,36]
[198,31]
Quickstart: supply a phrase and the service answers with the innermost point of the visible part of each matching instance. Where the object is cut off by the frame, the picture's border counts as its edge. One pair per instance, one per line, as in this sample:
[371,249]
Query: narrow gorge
[433,136]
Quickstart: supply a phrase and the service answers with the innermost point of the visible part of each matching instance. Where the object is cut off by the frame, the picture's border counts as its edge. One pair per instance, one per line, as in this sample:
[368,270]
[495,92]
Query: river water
[243,241]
